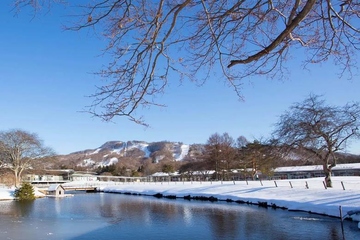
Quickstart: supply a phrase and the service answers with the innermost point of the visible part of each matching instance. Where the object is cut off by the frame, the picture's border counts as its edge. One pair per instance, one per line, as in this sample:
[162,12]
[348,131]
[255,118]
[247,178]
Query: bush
[25,192]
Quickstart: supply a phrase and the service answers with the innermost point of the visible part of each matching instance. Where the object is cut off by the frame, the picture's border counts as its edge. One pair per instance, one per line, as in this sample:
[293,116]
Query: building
[48,176]
[84,176]
[56,190]
[293,172]
[298,172]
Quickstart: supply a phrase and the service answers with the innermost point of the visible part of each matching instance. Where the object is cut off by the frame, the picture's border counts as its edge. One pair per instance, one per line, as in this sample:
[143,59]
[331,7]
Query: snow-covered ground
[7,193]
[292,194]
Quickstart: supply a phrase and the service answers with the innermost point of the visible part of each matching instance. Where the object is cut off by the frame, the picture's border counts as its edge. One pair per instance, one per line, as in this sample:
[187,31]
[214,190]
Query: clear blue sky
[46,75]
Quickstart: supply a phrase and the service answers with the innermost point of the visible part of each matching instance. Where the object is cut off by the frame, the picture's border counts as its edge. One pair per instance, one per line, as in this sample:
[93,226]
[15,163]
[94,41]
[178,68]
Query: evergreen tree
[25,192]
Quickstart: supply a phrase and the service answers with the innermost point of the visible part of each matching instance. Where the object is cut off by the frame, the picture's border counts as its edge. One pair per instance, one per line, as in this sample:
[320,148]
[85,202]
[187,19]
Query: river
[116,216]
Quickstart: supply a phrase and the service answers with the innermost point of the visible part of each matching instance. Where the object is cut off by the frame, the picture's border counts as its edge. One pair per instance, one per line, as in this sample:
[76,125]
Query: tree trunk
[254,170]
[327,171]
[17,179]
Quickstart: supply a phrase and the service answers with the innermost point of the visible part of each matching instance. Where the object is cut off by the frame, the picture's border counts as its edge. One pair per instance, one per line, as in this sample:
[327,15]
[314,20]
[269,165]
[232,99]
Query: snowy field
[295,194]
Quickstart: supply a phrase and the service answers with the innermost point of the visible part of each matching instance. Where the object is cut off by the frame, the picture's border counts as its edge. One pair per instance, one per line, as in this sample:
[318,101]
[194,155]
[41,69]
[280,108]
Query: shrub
[25,192]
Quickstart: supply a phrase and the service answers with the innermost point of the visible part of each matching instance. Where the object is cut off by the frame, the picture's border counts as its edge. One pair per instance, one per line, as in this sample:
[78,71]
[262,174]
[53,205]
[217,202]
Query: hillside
[135,154]
[114,151]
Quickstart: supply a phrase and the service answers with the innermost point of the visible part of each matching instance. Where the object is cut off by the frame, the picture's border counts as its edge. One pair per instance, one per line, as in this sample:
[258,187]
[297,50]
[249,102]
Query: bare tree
[241,141]
[320,129]
[150,41]
[220,154]
[19,149]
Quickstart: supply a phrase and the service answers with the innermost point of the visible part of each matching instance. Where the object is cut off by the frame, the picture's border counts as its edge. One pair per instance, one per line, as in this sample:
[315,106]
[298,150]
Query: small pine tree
[25,192]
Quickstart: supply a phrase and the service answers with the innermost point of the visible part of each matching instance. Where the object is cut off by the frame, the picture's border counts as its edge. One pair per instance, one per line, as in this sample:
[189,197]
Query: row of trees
[223,154]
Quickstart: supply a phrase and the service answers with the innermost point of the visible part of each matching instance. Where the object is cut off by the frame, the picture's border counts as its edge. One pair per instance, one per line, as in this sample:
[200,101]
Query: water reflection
[114,216]
[16,209]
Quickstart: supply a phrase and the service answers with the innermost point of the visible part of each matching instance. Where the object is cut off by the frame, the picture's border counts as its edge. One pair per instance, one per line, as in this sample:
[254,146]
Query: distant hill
[114,151]
[135,153]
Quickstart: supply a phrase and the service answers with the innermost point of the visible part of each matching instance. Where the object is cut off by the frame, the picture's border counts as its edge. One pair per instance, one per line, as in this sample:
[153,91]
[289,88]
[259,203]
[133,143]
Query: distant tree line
[223,154]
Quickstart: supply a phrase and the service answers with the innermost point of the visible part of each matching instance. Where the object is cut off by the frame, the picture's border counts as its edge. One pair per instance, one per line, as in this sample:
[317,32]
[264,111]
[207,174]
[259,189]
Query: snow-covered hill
[113,151]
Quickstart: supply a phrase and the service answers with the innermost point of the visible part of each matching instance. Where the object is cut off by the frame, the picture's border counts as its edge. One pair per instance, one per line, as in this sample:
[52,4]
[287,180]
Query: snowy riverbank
[296,194]
[7,193]
[291,194]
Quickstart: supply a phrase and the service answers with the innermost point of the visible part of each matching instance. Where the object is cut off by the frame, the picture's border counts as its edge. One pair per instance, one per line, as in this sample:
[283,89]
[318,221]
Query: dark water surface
[115,216]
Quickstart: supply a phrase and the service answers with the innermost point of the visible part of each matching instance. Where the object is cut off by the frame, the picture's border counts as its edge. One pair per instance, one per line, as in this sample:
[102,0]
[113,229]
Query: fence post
[342,184]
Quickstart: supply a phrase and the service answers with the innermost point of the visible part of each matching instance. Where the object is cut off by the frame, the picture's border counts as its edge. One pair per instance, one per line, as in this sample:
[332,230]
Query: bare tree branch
[153,43]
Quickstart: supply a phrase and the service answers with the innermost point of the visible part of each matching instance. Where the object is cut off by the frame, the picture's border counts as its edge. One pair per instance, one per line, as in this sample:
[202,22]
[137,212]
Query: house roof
[53,187]
[317,168]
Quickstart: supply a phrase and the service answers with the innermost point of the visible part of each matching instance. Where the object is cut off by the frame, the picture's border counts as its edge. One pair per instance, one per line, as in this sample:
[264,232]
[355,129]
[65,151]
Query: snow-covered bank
[8,193]
[290,194]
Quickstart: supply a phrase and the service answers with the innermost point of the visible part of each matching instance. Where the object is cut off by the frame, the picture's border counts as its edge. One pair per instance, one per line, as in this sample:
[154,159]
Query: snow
[159,158]
[184,150]
[291,194]
[141,146]
[95,152]
[109,162]
[6,193]
[88,162]
[53,187]
[160,174]
[117,150]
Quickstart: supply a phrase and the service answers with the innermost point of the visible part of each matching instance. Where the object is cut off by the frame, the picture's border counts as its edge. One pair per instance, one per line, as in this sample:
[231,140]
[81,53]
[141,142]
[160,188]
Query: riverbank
[309,195]
[8,193]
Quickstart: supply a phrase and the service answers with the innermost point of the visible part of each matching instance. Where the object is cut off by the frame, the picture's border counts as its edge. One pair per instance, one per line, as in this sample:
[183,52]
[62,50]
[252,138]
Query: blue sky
[46,74]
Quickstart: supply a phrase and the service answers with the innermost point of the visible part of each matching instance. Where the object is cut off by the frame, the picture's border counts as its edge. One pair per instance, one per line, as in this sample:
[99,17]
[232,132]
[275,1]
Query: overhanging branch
[287,31]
